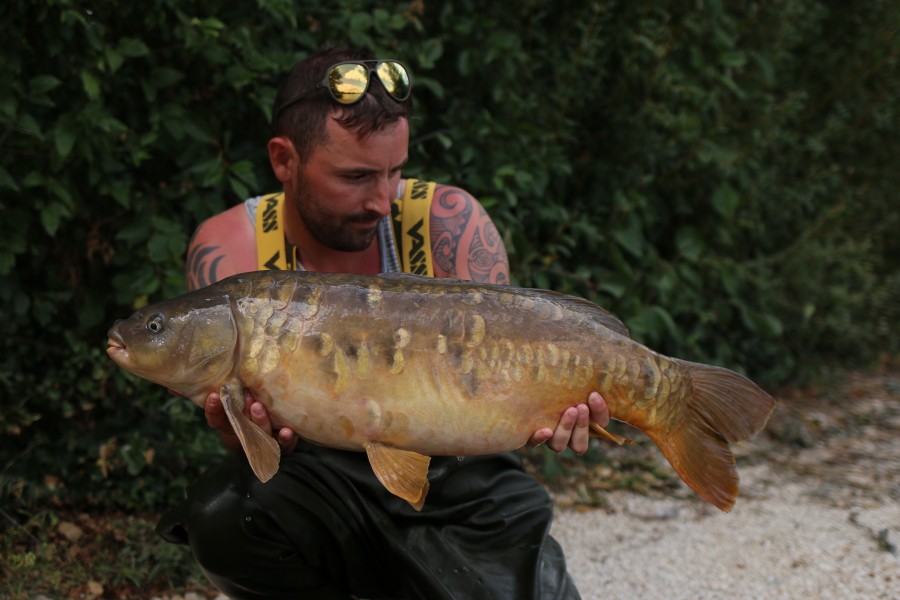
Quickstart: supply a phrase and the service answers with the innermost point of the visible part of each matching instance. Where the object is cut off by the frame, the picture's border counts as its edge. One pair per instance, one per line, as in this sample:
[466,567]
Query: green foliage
[694,167]
[720,175]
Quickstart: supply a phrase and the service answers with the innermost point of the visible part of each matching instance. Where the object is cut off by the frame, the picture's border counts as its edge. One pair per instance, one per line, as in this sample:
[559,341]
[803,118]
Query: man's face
[347,185]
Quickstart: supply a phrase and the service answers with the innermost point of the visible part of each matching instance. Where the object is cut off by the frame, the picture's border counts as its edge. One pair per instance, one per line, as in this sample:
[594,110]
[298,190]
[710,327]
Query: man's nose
[381,196]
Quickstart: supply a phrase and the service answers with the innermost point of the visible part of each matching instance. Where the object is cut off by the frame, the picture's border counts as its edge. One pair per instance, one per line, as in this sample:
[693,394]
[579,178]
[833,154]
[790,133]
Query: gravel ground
[821,521]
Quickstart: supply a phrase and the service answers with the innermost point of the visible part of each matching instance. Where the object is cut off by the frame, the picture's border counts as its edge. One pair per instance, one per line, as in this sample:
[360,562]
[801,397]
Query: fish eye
[155,323]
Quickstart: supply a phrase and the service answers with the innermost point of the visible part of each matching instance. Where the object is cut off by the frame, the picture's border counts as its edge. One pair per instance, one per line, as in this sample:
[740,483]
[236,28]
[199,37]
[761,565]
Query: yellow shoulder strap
[272,249]
[413,217]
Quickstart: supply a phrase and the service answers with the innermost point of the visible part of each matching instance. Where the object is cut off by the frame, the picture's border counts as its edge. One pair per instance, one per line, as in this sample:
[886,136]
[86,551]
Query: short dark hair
[304,123]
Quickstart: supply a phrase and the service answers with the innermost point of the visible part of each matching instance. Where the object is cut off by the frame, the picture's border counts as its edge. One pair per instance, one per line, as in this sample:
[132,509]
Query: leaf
[732,85]
[91,84]
[198,133]
[690,243]
[162,77]
[615,285]
[237,186]
[8,106]
[630,238]
[133,48]
[765,66]
[730,280]
[725,200]
[114,59]
[6,180]
[135,232]
[64,136]
[51,216]
[30,125]
[652,324]
[120,193]
[360,21]
[42,84]
[61,192]
[211,27]
[33,179]
[734,58]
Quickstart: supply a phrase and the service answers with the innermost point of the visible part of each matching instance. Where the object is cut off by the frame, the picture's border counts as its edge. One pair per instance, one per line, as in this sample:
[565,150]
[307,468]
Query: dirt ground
[818,515]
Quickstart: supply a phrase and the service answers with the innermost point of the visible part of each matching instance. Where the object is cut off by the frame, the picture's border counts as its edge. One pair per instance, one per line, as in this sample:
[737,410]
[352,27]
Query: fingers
[581,434]
[567,431]
[573,431]
[286,438]
[598,408]
[540,436]
[260,416]
[215,413]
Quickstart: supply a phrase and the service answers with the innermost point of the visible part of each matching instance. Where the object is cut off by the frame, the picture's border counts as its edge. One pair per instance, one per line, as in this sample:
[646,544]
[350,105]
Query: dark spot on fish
[470,384]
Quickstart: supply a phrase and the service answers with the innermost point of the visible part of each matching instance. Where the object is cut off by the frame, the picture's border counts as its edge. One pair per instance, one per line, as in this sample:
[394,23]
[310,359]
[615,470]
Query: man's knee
[208,519]
[232,524]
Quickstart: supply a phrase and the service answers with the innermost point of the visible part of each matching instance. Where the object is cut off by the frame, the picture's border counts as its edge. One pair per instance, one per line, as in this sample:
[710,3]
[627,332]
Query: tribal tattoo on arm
[202,265]
[465,242]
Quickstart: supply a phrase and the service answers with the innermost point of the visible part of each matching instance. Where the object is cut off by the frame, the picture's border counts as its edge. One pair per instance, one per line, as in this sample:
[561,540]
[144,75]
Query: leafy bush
[722,176]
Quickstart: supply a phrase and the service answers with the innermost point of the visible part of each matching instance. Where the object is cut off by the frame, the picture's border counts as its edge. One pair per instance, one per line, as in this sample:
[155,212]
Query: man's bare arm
[202,266]
[222,246]
[465,242]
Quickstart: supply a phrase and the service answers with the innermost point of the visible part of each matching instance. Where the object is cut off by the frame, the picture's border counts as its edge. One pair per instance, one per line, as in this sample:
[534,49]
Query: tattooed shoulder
[203,264]
[465,242]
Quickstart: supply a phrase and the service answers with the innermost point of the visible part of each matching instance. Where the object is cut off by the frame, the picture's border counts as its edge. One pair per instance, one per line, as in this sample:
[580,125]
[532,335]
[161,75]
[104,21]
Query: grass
[62,554]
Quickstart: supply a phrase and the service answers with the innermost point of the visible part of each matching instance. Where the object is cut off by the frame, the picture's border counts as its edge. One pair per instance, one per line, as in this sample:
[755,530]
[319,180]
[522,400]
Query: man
[324,527]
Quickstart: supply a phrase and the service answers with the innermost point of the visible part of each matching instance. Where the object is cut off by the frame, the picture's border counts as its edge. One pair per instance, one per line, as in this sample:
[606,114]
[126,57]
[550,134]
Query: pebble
[70,531]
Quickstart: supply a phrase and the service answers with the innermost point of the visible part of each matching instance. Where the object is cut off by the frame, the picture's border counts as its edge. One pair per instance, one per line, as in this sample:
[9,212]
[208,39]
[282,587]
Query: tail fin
[722,407]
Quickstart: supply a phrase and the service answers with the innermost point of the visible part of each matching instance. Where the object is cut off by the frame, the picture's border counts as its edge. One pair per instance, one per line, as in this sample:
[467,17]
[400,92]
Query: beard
[335,231]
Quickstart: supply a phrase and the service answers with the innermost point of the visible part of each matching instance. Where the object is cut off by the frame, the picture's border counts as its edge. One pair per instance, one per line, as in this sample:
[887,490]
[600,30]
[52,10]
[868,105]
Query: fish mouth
[116,350]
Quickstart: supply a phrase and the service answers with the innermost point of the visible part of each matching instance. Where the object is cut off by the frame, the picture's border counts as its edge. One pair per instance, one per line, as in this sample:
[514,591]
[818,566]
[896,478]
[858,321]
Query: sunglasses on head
[348,81]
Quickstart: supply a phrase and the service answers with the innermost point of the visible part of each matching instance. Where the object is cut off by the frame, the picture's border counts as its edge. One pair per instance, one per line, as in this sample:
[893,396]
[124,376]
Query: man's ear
[283,158]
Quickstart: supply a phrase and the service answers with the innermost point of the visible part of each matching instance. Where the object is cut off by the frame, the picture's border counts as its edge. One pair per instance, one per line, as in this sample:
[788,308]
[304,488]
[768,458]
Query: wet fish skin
[407,367]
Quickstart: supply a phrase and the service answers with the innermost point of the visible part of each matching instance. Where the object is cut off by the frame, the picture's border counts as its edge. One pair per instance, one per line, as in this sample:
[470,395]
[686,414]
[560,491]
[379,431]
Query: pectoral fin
[402,472]
[260,447]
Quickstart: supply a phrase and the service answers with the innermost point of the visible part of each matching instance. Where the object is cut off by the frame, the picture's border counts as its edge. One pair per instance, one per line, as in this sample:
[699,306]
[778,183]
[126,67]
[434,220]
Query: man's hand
[572,430]
[216,418]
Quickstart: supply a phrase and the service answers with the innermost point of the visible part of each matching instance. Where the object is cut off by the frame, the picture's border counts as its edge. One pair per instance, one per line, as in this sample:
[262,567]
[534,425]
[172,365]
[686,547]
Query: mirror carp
[406,367]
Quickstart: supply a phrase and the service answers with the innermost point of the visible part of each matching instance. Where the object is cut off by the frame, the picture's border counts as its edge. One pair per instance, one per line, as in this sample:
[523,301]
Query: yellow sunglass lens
[348,82]
[395,79]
